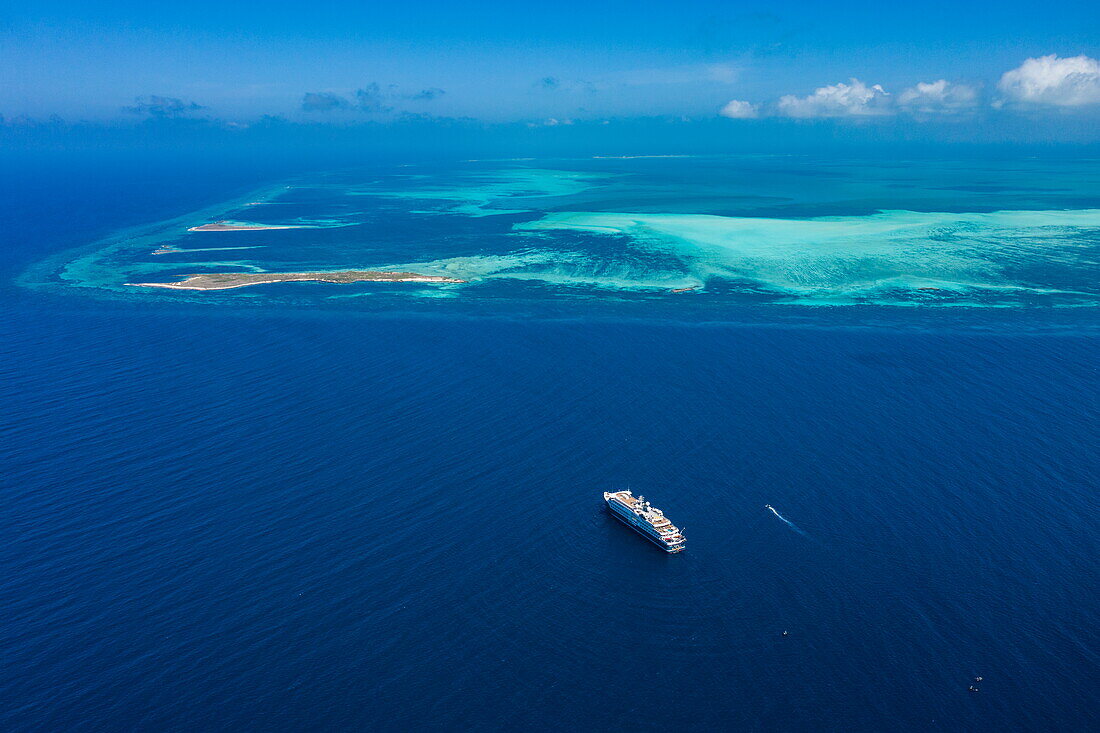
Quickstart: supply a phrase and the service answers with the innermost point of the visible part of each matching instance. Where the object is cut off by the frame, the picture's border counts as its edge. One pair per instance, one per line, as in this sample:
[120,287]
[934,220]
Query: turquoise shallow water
[884,257]
[733,230]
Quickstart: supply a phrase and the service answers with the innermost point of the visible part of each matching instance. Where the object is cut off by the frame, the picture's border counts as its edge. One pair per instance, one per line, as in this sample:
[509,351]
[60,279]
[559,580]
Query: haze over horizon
[979,72]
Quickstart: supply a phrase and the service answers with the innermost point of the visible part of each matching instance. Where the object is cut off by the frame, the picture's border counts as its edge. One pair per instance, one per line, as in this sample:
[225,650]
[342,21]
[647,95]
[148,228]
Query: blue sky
[552,63]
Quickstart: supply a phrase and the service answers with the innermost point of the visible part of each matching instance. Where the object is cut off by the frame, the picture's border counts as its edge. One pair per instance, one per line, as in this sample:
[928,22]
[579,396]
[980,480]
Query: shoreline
[231,280]
[223,226]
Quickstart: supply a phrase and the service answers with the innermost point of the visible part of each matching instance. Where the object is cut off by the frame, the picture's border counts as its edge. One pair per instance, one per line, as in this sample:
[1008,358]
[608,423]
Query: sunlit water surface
[378,506]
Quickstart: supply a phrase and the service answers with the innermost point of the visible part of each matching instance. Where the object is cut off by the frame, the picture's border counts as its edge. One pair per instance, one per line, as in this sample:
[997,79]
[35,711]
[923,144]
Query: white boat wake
[786,521]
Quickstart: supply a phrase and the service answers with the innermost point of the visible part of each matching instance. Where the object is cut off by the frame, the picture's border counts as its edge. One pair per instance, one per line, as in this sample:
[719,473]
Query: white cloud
[550,122]
[1050,80]
[838,100]
[938,97]
[739,110]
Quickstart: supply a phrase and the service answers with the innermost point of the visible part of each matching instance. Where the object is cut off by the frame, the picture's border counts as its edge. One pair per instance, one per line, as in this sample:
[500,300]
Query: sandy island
[228,280]
[224,226]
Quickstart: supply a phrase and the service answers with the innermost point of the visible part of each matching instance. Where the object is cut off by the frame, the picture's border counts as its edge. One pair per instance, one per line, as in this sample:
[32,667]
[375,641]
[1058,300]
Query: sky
[968,69]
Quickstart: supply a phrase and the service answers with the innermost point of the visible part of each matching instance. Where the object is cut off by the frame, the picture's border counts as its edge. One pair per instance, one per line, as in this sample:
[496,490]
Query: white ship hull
[644,520]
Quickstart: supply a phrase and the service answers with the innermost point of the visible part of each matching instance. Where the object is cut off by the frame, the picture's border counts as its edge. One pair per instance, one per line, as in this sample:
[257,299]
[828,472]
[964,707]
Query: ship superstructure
[651,523]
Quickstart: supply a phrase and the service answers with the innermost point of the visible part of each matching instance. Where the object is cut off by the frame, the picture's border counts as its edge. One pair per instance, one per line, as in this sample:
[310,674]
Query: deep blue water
[291,518]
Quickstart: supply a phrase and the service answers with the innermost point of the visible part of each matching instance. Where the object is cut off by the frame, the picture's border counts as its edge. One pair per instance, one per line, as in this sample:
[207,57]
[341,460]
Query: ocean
[379,506]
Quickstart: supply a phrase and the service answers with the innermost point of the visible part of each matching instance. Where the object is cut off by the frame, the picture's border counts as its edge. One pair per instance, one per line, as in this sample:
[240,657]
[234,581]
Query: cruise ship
[647,521]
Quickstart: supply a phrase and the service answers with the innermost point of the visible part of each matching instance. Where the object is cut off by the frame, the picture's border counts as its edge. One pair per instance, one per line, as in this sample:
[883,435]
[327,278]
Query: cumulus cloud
[1050,80]
[938,97]
[838,100]
[153,105]
[371,99]
[737,109]
[323,102]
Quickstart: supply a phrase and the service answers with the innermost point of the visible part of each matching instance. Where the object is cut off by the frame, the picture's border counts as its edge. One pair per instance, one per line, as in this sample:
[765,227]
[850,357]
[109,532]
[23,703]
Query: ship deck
[663,525]
[625,498]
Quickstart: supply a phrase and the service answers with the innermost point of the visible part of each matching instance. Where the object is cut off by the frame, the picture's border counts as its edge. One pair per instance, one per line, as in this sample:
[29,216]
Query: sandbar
[225,226]
[229,280]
